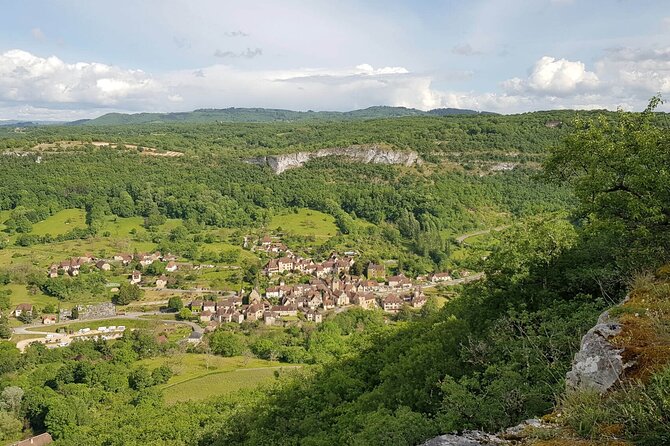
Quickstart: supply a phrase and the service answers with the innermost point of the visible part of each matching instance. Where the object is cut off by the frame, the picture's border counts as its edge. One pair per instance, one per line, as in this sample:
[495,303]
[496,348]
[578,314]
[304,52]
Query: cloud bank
[33,87]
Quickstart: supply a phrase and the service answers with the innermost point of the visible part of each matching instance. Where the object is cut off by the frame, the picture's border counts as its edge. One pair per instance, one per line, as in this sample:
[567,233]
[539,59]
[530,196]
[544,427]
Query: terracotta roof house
[23,308]
[392,303]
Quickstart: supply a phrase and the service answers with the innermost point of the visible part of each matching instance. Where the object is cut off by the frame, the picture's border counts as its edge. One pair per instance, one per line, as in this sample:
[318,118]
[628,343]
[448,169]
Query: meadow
[198,377]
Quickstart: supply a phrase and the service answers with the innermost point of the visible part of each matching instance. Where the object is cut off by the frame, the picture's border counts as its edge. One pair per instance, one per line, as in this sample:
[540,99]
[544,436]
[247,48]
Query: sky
[73,59]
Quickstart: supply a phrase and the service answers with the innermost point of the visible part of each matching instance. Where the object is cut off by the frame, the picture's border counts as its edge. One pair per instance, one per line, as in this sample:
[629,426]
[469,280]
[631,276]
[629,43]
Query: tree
[9,357]
[161,374]
[10,426]
[10,399]
[5,331]
[619,169]
[225,343]
[128,292]
[175,304]
[185,314]
[140,379]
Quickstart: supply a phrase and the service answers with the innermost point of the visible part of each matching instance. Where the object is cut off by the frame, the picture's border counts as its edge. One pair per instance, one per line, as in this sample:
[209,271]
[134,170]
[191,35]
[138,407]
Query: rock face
[598,364]
[364,154]
[467,438]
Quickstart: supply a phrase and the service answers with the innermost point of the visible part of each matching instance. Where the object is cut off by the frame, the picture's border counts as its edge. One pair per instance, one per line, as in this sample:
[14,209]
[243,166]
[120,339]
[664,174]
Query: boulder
[598,364]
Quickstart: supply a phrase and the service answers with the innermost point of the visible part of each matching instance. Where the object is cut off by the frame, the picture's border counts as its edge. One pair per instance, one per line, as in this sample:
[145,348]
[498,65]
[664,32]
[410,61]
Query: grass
[198,377]
[305,222]
[61,222]
[20,295]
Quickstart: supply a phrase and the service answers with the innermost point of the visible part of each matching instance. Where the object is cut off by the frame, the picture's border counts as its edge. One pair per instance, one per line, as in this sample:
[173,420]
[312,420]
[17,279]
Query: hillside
[268,115]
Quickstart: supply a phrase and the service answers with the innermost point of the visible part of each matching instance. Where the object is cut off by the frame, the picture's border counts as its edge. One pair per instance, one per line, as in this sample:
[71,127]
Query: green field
[198,377]
[61,222]
[20,295]
[305,222]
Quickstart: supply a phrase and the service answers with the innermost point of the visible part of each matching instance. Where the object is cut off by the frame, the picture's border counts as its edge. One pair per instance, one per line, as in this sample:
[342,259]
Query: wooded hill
[234,114]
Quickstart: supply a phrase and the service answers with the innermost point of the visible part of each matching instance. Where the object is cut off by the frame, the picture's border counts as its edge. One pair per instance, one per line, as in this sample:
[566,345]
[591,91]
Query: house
[224,315]
[53,271]
[392,303]
[254,312]
[23,309]
[375,271]
[194,338]
[341,298]
[274,292]
[171,266]
[103,265]
[440,277]
[136,277]
[364,300]
[38,440]
[266,240]
[285,264]
[269,318]
[399,281]
[418,299]
[161,282]
[272,267]
[206,316]
[314,316]
[209,305]
[49,319]
[284,310]
[254,297]
[169,257]
[196,306]
[125,259]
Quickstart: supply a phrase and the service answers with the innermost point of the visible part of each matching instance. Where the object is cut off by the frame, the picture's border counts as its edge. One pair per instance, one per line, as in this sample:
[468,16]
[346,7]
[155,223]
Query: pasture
[305,222]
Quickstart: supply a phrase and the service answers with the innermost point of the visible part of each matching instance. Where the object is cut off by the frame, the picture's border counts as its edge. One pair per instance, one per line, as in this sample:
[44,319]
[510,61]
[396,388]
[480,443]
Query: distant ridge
[234,114]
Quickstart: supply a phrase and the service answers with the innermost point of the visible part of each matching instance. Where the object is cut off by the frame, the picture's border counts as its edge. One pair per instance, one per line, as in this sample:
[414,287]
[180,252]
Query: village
[297,288]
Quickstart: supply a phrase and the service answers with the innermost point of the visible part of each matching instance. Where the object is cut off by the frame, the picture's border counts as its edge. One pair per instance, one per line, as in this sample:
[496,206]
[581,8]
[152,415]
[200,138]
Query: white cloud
[27,78]
[554,77]
[33,87]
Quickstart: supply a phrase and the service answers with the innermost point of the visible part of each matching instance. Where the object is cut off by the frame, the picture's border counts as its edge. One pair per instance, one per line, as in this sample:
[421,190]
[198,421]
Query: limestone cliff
[374,154]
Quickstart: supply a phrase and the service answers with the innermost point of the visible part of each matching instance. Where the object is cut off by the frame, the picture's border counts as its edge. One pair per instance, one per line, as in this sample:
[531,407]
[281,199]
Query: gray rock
[364,154]
[598,364]
[467,438]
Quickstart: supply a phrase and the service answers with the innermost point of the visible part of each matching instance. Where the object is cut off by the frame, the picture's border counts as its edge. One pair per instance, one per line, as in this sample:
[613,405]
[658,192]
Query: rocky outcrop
[598,364]
[512,435]
[467,438]
[363,154]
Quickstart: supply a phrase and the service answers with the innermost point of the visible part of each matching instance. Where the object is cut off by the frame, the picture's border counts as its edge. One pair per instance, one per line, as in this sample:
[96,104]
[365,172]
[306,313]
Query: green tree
[225,343]
[175,304]
[128,292]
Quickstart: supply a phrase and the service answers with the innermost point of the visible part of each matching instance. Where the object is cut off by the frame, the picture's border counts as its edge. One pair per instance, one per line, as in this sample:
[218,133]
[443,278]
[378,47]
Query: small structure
[440,277]
[23,309]
[161,282]
[136,277]
[103,265]
[314,316]
[171,267]
[49,319]
[37,440]
[375,271]
[392,303]
[194,338]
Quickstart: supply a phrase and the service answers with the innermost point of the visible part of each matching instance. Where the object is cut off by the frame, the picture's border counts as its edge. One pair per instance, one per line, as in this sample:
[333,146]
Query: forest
[586,209]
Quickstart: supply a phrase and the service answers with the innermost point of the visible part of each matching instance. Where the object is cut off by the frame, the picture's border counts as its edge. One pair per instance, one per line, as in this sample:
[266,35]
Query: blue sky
[68,59]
